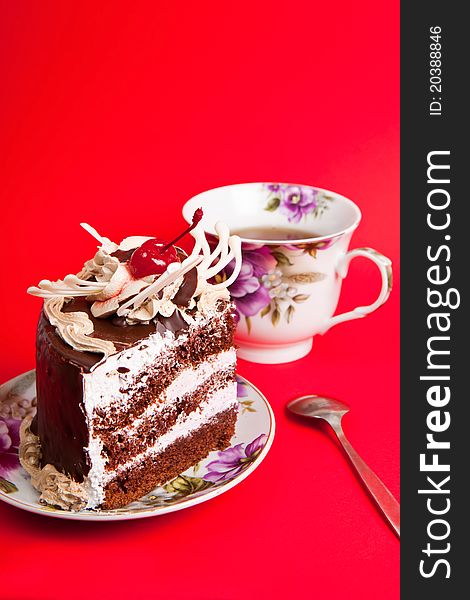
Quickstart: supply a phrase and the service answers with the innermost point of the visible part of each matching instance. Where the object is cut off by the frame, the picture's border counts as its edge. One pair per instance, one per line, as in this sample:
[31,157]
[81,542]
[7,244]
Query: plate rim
[158,510]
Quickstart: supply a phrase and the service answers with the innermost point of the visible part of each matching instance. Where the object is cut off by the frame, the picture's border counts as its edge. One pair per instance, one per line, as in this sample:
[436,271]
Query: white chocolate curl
[153,306]
[227,249]
[71,286]
[115,291]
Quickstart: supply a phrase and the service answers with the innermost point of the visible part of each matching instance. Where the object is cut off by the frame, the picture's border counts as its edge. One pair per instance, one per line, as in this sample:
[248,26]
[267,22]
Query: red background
[115,114]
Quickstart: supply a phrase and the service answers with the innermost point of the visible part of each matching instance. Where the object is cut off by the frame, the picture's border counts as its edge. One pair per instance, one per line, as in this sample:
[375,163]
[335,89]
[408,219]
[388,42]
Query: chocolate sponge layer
[119,447]
[157,469]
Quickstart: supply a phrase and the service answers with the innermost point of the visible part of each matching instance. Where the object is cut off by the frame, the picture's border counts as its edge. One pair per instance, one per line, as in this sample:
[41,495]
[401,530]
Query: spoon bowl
[319,407]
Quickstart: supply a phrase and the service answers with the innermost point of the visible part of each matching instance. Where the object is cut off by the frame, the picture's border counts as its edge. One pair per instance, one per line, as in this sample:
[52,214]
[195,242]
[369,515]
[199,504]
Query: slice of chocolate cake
[135,370]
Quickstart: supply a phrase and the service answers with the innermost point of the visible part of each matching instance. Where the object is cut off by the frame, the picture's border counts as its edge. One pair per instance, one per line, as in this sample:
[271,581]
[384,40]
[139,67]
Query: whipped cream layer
[187,382]
[219,401]
[103,386]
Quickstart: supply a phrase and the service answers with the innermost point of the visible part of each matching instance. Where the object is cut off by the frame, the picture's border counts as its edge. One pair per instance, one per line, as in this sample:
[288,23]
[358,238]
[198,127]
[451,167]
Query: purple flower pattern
[255,290]
[260,288]
[234,460]
[242,391]
[297,202]
[250,294]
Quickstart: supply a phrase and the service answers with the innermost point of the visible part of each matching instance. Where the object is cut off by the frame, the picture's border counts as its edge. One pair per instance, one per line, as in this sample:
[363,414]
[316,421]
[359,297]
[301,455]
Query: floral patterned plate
[213,476]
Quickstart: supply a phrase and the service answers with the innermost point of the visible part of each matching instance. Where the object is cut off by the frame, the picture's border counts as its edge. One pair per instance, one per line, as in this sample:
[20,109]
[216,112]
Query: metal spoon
[332,412]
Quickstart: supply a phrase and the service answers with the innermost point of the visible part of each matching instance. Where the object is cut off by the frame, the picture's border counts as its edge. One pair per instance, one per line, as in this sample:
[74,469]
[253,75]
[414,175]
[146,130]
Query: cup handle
[385,267]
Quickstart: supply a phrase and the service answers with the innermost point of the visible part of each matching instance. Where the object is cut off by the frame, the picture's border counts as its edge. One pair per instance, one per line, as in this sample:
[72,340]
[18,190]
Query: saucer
[216,474]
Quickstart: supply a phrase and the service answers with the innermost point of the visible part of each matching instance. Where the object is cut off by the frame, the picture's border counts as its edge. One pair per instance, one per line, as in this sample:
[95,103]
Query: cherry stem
[196,218]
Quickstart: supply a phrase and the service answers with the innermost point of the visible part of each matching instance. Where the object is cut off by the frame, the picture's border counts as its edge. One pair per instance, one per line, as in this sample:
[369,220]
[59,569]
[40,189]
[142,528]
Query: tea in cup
[295,254]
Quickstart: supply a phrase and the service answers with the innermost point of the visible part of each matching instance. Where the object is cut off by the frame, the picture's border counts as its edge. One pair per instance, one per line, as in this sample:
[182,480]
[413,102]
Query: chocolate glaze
[34,424]
[105,329]
[176,324]
[61,423]
[187,288]
[123,255]
[119,322]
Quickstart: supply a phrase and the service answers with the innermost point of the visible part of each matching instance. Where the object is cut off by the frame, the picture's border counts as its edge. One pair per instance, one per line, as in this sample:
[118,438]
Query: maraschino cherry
[154,256]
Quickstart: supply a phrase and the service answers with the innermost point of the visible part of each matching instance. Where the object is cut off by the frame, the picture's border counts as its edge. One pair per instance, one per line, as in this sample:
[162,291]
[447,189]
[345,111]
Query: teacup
[295,241]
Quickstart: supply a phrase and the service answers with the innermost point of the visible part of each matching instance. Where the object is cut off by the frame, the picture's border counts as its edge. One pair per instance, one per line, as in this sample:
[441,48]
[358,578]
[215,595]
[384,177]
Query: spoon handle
[377,489]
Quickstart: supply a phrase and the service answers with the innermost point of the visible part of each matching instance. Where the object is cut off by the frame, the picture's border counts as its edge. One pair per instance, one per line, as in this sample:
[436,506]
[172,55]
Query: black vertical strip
[433,567]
